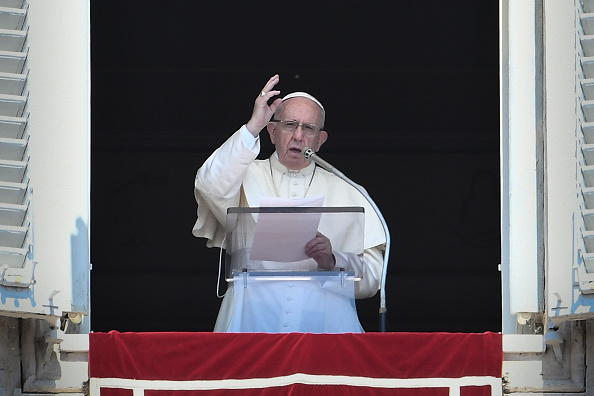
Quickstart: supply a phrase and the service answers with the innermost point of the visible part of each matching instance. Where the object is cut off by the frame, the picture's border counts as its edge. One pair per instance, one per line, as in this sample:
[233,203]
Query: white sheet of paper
[282,236]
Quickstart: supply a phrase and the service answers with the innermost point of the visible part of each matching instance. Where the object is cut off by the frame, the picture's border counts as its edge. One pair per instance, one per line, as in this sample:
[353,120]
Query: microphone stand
[311,155]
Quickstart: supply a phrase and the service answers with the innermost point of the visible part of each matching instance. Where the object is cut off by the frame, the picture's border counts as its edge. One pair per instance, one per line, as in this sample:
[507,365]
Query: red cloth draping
[218,356]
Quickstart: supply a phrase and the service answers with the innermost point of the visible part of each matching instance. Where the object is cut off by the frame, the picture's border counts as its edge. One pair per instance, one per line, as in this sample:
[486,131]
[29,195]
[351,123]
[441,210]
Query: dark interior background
[411,92]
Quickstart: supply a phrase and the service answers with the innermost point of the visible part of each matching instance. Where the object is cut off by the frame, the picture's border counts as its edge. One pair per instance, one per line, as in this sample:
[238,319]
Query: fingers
[274,105]
[267,91]
[263,112]
[318,242]
[320,249]
[270,84]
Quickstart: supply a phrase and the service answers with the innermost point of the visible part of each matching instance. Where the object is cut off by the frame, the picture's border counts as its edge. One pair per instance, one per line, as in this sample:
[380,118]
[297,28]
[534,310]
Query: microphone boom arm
[309,154]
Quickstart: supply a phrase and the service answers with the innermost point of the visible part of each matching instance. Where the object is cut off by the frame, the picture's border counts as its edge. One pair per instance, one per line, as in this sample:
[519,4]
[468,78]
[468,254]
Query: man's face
[290,144]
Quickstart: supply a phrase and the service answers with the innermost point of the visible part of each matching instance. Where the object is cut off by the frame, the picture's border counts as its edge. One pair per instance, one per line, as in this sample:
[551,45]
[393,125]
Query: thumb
[274,105]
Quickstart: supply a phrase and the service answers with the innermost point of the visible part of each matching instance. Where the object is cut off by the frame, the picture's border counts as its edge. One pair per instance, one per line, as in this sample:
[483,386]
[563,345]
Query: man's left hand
[320,249]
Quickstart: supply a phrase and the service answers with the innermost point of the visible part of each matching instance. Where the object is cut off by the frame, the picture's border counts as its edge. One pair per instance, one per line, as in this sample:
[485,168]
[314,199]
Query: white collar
[278,167]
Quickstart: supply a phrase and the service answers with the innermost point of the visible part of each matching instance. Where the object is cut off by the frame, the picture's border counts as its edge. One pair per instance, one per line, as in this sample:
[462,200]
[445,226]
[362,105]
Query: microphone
[309,154]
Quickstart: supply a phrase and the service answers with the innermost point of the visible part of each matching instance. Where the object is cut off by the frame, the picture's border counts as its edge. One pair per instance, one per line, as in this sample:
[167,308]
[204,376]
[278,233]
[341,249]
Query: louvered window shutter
[16,236]
[585,93]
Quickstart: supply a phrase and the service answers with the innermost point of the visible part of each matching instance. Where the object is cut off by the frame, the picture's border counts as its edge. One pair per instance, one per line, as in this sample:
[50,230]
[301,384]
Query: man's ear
[271,127]
[321,139]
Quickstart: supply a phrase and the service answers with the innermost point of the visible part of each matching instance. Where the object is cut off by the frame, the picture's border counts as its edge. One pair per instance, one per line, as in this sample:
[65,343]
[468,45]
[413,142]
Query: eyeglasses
[290,126]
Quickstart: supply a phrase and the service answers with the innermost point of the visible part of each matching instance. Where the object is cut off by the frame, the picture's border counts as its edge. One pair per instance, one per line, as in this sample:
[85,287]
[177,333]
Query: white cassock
[232,177]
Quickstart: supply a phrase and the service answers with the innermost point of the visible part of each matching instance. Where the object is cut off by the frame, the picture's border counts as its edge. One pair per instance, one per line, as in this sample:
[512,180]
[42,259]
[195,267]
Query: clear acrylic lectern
[266,267]
[270,241]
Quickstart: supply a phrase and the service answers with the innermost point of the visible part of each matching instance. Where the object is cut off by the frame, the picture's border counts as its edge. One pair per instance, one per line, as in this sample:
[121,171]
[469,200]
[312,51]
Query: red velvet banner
[337,357]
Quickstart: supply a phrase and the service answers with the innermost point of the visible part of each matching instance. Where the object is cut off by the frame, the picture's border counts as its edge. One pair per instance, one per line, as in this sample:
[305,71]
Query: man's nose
[298,134]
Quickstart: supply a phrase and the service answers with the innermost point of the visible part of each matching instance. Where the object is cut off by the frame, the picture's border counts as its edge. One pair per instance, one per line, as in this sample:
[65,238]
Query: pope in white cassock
[233,177]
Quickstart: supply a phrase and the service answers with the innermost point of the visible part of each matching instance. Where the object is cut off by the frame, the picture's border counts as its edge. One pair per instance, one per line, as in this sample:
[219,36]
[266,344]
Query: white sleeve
[223,172]
[369,269]
[248,139]
[218,182]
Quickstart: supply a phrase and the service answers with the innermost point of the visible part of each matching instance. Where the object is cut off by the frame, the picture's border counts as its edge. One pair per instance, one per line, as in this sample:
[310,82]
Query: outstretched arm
[222,173]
